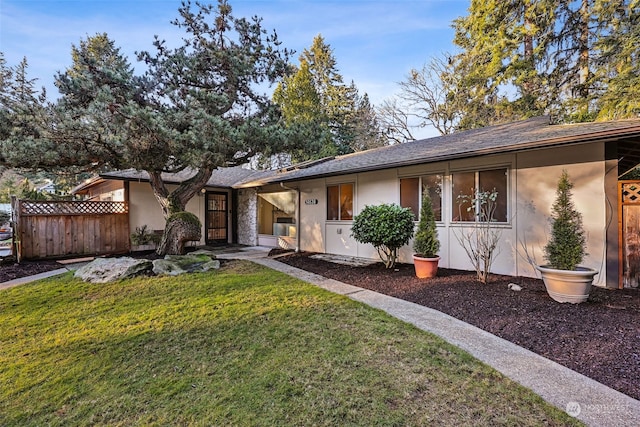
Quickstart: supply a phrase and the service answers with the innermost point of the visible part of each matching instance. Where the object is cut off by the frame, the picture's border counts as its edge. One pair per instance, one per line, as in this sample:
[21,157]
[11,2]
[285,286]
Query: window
[411,190]
[464,185]
[340,202]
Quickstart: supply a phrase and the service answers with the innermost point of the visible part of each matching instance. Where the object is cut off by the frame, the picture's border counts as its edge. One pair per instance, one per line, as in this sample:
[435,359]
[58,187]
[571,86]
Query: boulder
[179,264]
[104,270]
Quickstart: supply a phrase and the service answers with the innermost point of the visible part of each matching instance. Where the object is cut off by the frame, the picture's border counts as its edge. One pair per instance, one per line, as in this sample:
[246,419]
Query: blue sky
[375,42]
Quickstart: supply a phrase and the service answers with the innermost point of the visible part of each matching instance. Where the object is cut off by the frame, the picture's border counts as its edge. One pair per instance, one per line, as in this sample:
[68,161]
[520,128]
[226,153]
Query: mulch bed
[599,338]
[10,270]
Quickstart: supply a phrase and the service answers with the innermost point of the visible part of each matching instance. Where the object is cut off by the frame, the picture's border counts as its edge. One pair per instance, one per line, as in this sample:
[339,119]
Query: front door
[216,218]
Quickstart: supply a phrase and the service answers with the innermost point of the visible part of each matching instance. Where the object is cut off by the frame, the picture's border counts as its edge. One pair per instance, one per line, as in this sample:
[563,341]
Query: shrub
[566,248]
[143,236]
[387,227]
[426,243]
[480,240]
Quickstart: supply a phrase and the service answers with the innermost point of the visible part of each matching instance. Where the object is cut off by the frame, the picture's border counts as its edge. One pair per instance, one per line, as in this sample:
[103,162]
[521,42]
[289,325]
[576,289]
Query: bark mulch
[599,338]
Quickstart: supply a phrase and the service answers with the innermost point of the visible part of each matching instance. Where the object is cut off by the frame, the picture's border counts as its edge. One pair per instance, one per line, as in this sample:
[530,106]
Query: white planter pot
[571,286]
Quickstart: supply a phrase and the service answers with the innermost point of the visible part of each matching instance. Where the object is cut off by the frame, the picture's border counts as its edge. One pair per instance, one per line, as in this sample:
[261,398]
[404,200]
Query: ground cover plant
[243,346]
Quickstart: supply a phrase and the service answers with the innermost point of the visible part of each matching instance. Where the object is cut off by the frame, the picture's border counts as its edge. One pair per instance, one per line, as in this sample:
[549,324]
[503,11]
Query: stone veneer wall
[248,216]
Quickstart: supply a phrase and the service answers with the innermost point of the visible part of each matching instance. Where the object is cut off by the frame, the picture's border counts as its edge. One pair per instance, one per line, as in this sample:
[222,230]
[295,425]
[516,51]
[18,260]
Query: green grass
[243,346]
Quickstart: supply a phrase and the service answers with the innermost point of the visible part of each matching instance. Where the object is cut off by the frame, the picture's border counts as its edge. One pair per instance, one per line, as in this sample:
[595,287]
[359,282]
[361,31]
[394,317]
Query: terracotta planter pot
[571,286]
[425,267]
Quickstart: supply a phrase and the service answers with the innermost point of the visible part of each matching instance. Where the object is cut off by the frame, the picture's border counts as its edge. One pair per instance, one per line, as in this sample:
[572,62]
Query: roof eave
[604,136]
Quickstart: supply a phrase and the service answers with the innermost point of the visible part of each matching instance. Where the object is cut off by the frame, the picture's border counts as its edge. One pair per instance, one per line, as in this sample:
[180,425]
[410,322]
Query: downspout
[297,190]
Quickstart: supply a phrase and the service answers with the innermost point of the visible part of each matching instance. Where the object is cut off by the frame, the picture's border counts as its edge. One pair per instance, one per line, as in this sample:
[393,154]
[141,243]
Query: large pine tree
[199,106]
[316,100]
[576,60]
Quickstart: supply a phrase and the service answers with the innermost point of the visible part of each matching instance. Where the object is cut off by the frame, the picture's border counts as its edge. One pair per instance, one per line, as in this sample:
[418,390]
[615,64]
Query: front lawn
[243,346]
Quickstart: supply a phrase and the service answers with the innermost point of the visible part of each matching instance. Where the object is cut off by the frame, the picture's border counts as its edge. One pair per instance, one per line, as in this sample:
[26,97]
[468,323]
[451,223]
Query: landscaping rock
[104,270]
[179,264]
[163,267]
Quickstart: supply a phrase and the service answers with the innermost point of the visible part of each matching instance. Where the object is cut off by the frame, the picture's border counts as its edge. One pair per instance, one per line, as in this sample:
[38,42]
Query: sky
[375,42]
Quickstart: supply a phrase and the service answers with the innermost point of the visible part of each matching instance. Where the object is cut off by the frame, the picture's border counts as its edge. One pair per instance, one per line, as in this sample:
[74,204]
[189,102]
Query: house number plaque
[311,202]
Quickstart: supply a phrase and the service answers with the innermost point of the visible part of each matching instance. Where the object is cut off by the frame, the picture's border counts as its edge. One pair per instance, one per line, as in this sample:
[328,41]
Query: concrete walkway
[591,402]
[66,267]
[22,280]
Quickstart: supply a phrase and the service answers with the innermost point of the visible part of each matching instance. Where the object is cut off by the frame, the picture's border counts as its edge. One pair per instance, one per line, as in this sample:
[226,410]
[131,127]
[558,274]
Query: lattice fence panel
[54,229]
[630,192]
[39,208]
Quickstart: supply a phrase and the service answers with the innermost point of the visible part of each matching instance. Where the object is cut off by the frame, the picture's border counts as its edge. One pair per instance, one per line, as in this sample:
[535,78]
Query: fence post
[16,248]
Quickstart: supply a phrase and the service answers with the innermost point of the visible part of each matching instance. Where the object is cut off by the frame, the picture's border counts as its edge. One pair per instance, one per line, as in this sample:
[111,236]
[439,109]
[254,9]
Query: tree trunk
[583,60]
[178,231]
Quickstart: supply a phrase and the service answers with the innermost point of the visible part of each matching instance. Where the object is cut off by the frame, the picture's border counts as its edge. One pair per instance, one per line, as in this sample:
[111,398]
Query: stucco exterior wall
[537,178]
[313,215]
[248,216]
[145,210]
[532,181]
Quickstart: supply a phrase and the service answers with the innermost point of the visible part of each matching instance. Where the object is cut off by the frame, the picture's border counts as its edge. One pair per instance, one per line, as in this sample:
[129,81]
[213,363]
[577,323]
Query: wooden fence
[55,229]
[629,233]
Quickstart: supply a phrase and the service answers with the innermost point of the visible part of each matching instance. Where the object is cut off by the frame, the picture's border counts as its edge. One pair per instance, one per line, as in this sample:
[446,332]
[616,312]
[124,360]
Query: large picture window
[340,202]
[412,189]
[464,186]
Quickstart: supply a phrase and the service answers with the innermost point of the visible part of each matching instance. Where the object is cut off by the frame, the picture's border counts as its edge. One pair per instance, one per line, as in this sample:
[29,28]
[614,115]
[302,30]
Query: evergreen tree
[196,108]
[566,248]
[338,118]
[504,46]
[576,60]
[302,110]
[24,119]
[618,58]
[364,125]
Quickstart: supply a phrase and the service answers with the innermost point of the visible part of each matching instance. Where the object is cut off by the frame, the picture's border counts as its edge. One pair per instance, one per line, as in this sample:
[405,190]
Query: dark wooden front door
[216,219]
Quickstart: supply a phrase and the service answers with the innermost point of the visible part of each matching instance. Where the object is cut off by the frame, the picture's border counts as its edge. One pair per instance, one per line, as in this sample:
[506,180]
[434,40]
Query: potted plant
[564,279]
[426,243]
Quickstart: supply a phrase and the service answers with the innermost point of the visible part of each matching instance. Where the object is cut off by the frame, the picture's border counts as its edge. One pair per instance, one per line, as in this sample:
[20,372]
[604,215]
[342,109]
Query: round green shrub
[387,227]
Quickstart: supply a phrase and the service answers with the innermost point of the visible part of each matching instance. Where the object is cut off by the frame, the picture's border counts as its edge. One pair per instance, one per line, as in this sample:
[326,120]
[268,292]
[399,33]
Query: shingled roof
[221,177]
[528,134]
[511,137]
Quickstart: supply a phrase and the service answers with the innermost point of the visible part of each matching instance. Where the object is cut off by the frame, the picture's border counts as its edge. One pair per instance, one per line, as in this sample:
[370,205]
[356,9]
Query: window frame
[421,187]
[339,207]
[476,173]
